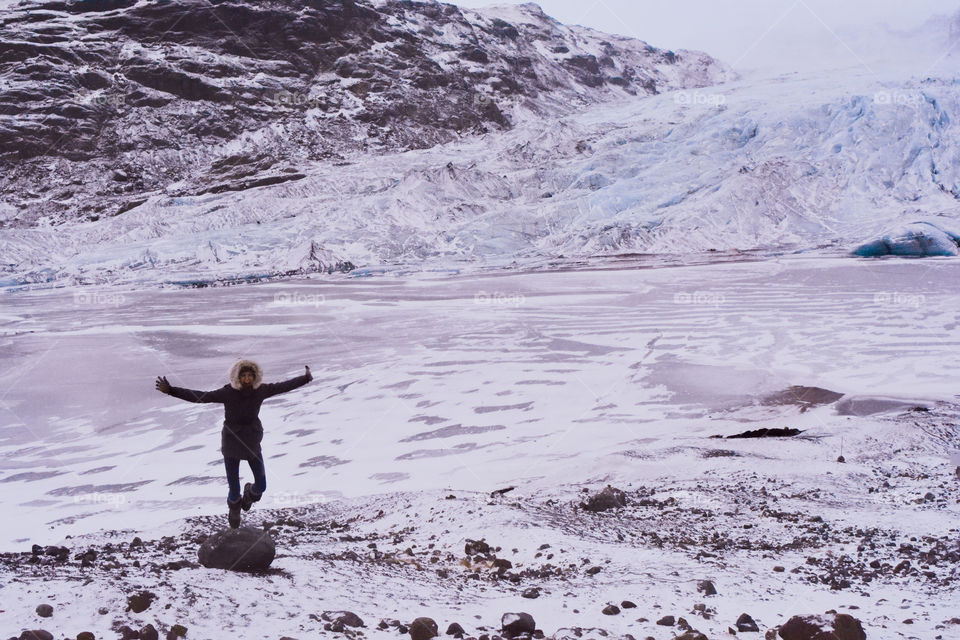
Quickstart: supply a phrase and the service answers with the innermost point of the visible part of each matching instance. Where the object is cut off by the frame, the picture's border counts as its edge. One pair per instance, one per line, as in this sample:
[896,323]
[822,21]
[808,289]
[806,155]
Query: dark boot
[249,497]
[233,517]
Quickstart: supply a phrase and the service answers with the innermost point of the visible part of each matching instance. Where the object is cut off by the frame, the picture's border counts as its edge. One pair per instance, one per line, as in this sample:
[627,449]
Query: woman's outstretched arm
[188,394]
[273,388]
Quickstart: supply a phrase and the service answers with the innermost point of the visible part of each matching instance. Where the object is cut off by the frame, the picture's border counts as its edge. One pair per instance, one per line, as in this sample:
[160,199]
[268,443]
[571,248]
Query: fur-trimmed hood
[235,373]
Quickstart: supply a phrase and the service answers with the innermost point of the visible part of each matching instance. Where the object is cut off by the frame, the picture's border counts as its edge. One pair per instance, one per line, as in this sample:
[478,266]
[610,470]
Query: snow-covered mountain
[385,133]
[106,104]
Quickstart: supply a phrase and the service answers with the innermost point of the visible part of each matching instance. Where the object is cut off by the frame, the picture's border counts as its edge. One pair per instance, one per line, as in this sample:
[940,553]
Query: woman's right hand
[162,385]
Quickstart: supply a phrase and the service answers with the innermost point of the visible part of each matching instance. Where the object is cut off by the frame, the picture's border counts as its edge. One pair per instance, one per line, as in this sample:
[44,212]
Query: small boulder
[513,624]
[243,549]
[455,630]
[149,632]
[44,610]
[502,564]
[36,634]
[86,635]
[626,604]
[476,547]
[423,629]
[667,621]
[345,618]
[693,634]
[610,610]
[706,588]
[609,498]
[140,601]
[811,627]
[746,623]
[127,633]
[176,631]
[531,593]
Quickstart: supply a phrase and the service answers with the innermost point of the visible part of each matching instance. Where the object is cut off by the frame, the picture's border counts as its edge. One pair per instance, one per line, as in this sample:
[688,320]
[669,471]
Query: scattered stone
[611,610]
[513,624]
[592,571]
[706,588]
[778,569]
[423,629]
[626,604]
[532,593]
[502,564]
[140,601]
[693,634]
[126,633]
[476,547]
[36,634]
[746,623]
[85,635]
[176,631]
[841,459]
[149,632]
[455,630]
[609,498]
[810,627]
[243,549]
[338,620]
[44,610]
[667,621]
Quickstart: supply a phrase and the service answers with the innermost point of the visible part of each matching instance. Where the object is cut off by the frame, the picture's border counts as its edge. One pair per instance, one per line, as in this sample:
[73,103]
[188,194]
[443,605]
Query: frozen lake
[463,382]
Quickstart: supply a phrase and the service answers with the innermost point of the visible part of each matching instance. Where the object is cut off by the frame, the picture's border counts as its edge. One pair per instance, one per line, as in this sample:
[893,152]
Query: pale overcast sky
[756,33]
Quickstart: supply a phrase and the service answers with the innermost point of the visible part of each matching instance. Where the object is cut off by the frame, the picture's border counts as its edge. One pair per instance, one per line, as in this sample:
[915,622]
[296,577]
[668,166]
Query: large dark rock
[243,549]
[812,627]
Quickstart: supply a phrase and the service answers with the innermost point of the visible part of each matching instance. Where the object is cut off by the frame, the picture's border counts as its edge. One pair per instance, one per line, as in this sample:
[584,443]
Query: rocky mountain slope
[106,103]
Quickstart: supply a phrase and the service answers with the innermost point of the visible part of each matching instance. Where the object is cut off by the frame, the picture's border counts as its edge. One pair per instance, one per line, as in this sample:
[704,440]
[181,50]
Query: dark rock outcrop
[608,498]
[810,627]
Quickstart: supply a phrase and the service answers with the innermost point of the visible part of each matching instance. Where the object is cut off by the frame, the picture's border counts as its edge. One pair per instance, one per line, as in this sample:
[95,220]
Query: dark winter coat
[242,429]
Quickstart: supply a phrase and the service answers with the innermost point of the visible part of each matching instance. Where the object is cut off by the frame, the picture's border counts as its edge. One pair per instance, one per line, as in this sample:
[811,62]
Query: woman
[242,430]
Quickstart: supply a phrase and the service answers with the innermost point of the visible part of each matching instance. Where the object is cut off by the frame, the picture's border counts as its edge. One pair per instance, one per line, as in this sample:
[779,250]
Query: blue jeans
[233,476]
